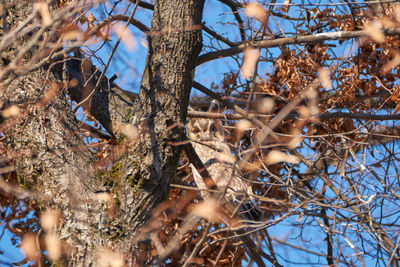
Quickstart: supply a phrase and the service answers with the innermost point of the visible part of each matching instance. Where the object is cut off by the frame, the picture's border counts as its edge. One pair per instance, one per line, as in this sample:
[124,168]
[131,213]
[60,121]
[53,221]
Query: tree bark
[56,164]
[52,161]
[160,108]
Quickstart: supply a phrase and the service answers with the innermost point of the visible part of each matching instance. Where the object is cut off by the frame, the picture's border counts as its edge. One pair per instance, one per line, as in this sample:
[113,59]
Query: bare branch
[306,39]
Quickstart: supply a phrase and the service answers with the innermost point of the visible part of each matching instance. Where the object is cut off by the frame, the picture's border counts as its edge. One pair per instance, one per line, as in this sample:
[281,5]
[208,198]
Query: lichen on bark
[61,166]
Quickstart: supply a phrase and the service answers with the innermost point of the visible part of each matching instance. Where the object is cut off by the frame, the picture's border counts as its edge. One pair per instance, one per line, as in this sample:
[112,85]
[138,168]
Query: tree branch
[217,36]
[306,39]
[324,116]
[234,7]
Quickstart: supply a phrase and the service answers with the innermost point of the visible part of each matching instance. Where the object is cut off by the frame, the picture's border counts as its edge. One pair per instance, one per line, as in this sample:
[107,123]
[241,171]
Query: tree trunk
[159,111]
[54,162]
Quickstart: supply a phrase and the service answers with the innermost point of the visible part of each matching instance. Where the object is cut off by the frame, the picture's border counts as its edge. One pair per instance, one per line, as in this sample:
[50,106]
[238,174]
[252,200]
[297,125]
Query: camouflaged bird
[207,139]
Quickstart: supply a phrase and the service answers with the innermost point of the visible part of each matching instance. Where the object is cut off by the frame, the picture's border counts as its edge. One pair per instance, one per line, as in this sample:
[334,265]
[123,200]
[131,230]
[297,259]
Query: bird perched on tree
[207,139]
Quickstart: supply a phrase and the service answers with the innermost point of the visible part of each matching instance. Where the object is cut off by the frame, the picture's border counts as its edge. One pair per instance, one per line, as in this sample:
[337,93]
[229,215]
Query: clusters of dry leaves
[307,81]
[362,80]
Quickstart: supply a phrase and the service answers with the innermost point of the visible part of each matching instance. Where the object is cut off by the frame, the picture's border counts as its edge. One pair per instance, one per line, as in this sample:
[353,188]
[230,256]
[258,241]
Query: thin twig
[305,39]
[109,59]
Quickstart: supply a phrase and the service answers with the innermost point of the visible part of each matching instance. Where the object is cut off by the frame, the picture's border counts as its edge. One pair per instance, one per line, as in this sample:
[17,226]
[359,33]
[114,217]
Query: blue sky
[129,65]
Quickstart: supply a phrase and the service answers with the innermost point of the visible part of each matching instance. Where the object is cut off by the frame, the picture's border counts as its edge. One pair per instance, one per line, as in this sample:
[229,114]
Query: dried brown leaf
[143,42]
[130,131]
[53,90]
[324,77]
[43,9]
[11,111]
[109,258]
[72,35]
[296,140]
[53,246]
[106,197]
[304,112]
[396,12]
[250,166]
[225,157]
[207,209]
[265,105]
[374,30]
[28,246]
[396,109]
[251,56]
[276,156]
[49,219]
[243,125]
[391,64]
[126,36]
[256,11]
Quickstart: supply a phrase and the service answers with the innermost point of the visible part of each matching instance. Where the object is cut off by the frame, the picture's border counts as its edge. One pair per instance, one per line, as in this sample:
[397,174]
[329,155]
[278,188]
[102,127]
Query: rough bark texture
[60,168]
[174,45]
[52,160]
[110,105]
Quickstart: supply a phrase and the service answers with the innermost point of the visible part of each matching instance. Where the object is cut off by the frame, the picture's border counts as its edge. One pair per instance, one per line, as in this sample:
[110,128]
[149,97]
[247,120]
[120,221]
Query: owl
[207,139]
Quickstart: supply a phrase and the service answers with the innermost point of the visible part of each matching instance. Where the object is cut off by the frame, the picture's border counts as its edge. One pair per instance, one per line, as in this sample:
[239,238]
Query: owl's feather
[208,142]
